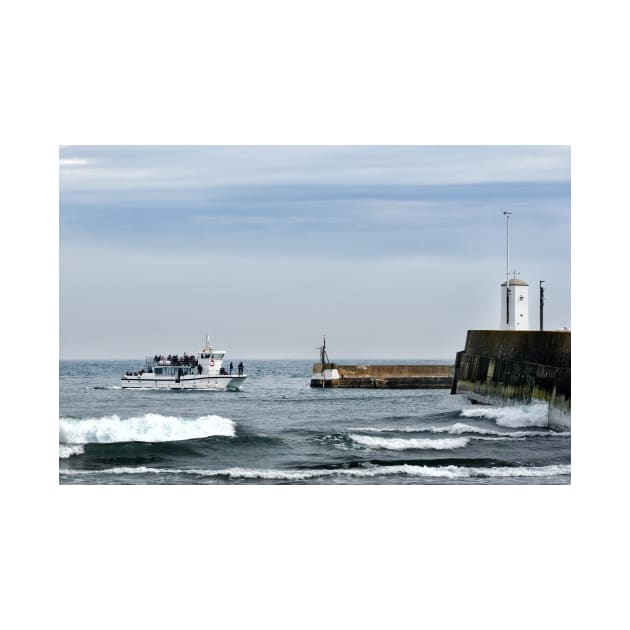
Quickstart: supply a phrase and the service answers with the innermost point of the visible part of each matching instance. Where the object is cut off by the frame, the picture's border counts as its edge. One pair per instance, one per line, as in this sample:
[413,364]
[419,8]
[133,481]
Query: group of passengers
[139,373]
[174,359]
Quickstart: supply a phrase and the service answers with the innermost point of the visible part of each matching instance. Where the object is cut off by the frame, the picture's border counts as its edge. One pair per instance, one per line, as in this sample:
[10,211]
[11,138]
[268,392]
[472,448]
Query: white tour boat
[203,370]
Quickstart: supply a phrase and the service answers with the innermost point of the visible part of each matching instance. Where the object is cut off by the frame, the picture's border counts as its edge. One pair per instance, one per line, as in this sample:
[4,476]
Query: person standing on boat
[231,367]
[240,369]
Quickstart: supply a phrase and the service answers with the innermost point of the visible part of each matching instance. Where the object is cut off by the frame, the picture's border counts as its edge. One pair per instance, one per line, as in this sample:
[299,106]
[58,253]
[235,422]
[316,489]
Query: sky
[390,251]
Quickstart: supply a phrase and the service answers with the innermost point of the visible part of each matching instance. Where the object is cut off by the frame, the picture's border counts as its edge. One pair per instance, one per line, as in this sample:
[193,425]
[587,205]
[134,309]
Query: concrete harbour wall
[516,367]
[385,376]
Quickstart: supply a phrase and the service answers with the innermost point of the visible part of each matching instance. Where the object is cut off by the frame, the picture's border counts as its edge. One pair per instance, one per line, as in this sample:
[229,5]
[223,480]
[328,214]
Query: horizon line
[266,359]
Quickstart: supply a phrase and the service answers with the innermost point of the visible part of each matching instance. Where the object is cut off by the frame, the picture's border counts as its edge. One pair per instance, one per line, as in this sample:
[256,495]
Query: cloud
[72,162]
[241,166]
[339,220]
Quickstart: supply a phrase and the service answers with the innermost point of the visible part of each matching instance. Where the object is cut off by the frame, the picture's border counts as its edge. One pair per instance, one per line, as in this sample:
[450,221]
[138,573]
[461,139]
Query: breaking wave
[401,444]
[534,415]
[150,427]
[460,428]
[448,472]
[68,450]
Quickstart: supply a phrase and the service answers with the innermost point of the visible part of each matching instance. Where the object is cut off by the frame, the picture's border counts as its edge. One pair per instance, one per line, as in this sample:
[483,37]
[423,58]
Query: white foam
[389,429]
[150,427]
[448,472]
[67,450]
[401,444]
[123,470]
[533,415]
[460,428]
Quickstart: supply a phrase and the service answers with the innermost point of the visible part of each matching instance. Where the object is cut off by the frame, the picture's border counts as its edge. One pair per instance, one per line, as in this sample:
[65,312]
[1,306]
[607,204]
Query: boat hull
[200,383]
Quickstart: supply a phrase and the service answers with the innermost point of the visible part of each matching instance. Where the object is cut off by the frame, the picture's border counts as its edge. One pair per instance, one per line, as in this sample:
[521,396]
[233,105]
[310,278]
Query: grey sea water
[279,430]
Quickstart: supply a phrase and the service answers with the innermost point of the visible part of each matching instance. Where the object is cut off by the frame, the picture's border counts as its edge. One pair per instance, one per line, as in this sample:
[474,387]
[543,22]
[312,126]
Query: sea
[279,430]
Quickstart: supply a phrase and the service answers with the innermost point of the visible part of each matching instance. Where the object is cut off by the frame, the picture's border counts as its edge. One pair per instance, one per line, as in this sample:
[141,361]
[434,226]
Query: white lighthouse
[515,305]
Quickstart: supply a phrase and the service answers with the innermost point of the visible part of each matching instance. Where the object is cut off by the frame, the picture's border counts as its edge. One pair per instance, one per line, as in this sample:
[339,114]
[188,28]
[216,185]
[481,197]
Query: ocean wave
[447,472]
[150,427]
[401,444]
[533,415]
[68,450]
[393,429]
[460,428]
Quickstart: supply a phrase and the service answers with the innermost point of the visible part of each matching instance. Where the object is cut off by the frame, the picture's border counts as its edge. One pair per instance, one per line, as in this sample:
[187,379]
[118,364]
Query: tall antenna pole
[507,267]
[542,303]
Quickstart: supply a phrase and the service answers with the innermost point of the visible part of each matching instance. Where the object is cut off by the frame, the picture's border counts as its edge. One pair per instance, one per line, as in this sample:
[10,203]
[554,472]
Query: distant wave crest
[401,444]
[459,428]
[150,427]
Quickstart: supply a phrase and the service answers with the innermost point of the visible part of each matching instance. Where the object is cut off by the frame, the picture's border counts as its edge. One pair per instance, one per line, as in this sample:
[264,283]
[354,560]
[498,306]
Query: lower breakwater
[383,376]
[517,367]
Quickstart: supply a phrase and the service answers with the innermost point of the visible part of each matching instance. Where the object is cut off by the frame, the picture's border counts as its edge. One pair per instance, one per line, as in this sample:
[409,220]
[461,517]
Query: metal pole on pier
[507,267]
[323,356]
[323,360]
[542,303]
